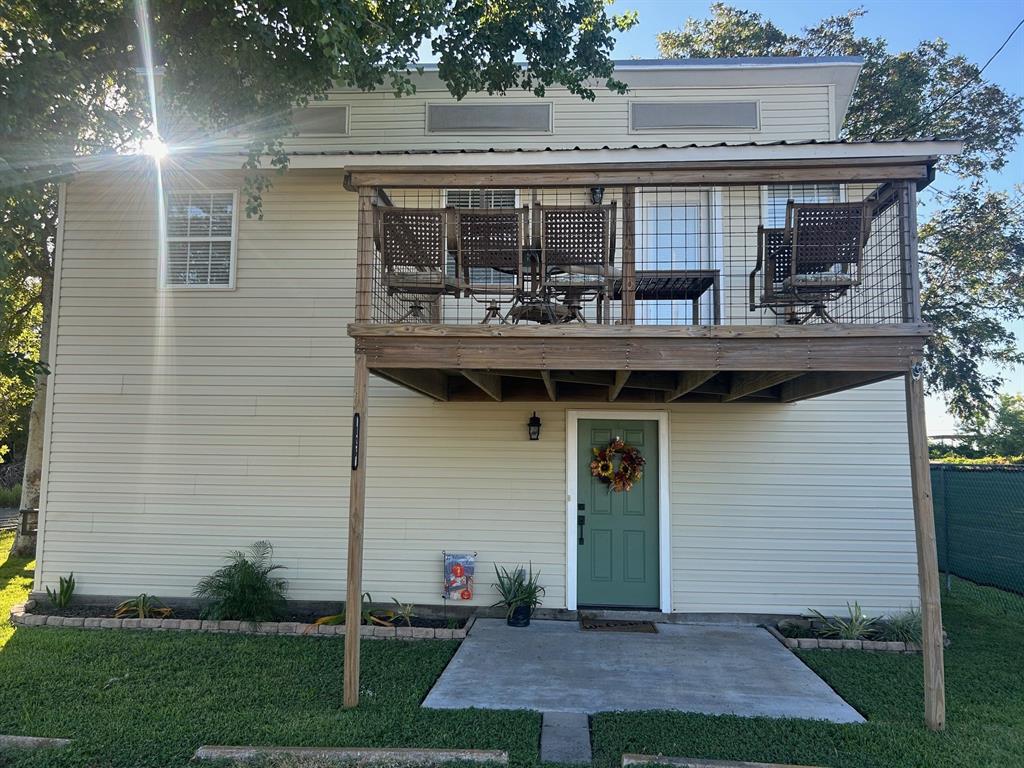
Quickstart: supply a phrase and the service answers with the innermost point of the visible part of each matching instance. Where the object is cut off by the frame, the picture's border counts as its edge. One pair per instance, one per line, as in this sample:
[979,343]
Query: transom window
[779,194]
[201,234]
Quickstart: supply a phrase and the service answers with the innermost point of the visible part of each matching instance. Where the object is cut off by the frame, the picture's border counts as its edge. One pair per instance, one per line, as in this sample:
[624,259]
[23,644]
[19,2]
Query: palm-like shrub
[245,589]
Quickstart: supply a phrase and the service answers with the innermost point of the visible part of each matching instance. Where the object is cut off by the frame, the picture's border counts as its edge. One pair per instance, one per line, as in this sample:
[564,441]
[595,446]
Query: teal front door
[617,531]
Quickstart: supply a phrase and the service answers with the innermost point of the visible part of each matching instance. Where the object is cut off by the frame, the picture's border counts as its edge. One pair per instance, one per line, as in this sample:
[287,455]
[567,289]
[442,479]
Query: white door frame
[664,524]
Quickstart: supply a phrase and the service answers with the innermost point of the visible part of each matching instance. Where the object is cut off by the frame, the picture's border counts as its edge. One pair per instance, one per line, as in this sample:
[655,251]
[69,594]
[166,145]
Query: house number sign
[356,437]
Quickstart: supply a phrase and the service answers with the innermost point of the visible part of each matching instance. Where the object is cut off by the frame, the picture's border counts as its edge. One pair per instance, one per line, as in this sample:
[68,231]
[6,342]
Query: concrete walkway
[553,666]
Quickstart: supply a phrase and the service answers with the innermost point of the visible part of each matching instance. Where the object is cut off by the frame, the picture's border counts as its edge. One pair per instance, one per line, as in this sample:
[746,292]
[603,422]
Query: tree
[972,246]
[1003,435]
[69,87]
[972,272]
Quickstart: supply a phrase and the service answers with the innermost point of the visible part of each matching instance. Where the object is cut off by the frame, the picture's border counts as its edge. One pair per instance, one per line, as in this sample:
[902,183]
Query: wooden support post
[356,507]
[628,255]
[927,562]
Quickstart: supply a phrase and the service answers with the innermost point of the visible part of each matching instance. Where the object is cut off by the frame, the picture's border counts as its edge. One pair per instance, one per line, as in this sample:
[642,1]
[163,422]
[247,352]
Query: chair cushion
[419,282]
[819,280]
[591,269]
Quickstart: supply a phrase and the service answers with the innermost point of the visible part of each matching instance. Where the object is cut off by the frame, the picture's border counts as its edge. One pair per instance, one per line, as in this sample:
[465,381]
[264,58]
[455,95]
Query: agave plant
[61,597]
[245,589]
[857,626]
[517,588]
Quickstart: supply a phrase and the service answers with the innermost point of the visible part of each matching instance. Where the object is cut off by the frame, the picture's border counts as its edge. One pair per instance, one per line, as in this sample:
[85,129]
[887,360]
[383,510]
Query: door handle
[581,520]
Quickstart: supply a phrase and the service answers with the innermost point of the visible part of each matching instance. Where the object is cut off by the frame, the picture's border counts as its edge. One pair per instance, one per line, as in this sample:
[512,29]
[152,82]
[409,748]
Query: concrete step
[565,738]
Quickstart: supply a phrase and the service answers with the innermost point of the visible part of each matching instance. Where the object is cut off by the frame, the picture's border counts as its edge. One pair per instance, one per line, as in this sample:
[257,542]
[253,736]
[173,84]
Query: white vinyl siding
[778,195]
[377,121]
[200,239]
[188,424]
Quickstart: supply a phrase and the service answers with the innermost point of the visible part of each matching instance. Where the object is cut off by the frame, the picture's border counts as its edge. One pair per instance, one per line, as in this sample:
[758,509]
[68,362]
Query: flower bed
[833,644]
[21,617]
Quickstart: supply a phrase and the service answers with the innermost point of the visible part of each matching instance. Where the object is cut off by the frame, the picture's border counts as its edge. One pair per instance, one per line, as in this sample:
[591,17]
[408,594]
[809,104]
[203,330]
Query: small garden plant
[246,589]
[903,627]
[142,607]
[518,591]
[856,626]
[61,597]
[402,613]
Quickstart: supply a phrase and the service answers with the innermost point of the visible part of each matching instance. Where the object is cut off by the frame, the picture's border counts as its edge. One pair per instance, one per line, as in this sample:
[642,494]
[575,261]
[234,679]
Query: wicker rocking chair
[412,243]
[815,259]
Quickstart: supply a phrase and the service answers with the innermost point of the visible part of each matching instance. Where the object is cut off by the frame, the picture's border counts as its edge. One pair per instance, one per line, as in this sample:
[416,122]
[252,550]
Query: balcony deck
[637,363]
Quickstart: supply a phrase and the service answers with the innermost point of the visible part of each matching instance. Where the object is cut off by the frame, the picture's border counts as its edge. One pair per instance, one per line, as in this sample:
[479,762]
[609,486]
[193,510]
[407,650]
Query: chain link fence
[979,526]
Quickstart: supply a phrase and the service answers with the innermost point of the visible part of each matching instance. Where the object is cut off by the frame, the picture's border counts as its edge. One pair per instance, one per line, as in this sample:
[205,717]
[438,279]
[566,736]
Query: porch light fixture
[533,426]
[596,195]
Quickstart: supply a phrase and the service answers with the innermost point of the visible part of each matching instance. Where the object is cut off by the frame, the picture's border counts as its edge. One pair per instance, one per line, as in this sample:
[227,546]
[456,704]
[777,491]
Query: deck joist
[636,363]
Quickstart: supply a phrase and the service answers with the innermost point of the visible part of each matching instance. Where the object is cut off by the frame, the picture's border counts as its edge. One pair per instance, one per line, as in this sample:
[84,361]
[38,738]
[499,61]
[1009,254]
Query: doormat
[616,625]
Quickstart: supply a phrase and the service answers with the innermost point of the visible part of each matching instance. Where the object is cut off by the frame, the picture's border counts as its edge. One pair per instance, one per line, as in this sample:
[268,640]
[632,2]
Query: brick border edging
[831,644]
[20,617]
[359,755]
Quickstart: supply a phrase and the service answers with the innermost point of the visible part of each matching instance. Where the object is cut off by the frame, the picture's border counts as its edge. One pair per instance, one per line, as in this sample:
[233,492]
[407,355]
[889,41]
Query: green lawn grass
[150,698]
[984,695]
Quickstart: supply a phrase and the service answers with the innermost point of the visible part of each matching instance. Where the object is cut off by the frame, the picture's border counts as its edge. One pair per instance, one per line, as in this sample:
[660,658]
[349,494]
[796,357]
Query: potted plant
[519,593]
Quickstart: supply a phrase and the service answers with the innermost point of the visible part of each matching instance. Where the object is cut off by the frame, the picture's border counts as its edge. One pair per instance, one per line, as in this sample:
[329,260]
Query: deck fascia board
[837,348]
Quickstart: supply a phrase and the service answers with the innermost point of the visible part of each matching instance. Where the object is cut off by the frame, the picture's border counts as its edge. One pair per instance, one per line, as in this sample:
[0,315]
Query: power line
[977,76]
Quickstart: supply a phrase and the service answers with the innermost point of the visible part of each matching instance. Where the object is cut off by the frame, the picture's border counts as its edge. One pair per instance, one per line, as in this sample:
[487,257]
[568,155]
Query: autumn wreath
[630,465]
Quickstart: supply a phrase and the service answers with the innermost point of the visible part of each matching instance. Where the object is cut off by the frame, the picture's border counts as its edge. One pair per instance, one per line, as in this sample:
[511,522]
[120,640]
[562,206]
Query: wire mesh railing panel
[647,255]
[979,526]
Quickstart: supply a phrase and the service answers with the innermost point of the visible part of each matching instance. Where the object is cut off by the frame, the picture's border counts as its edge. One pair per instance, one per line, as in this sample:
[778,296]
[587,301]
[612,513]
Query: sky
[975,29]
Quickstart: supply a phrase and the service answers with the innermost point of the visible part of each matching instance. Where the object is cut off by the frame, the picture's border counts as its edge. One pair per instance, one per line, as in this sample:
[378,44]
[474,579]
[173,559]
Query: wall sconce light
[533,426]
[596,195]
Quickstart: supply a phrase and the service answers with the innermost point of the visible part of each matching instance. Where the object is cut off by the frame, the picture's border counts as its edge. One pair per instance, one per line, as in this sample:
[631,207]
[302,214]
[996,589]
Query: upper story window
[779,194]
[201,238]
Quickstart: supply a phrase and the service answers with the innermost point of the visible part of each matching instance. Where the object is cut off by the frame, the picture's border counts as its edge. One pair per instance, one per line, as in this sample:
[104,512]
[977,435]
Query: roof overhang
[746,163]
[775,152]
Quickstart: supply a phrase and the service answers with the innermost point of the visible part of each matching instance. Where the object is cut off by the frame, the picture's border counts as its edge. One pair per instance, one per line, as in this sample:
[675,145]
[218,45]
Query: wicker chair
[489,251]
[577,250]
[412,243]
[815,259]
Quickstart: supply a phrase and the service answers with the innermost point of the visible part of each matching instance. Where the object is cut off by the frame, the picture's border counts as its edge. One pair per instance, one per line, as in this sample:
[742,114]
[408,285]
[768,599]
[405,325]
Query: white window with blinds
[202,230]
[777,195]
[481,198]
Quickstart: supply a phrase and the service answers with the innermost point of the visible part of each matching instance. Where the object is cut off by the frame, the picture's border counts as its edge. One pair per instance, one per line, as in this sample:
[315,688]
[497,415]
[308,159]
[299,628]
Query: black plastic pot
[520,616]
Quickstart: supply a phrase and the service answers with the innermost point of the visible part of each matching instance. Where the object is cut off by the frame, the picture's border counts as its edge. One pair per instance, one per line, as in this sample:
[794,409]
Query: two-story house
[452,312]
